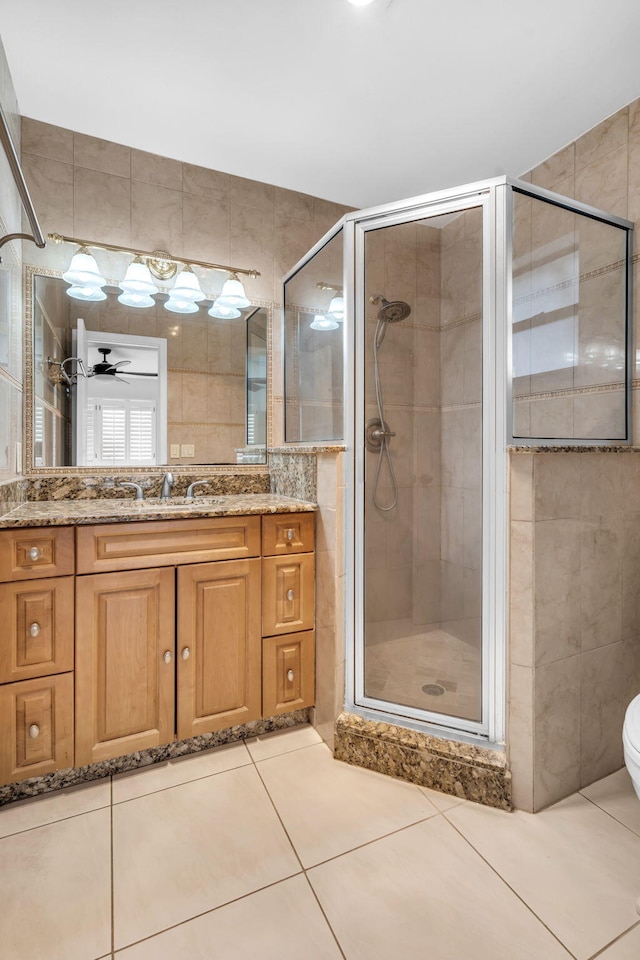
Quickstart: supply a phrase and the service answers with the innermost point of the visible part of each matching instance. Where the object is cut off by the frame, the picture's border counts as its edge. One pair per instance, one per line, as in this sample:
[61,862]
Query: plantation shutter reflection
[122,432]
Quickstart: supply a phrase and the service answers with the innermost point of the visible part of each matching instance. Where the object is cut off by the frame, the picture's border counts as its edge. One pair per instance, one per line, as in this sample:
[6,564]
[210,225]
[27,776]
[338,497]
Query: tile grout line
[624,933]
[112,877]
[515,892]
[50,823]
[615,819]
[304,872]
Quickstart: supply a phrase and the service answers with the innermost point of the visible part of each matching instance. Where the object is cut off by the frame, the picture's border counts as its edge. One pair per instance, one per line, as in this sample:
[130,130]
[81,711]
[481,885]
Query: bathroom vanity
[128,626]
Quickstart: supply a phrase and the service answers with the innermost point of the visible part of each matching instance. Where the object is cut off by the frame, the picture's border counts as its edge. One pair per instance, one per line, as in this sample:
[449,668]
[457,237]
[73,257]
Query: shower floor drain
[433,689]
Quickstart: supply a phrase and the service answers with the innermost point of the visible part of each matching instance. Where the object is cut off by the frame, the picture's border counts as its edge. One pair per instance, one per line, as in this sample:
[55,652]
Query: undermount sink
[181,502]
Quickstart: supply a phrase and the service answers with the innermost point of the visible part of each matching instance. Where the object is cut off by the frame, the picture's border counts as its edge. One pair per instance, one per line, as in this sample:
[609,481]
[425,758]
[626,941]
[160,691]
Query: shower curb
[459,769]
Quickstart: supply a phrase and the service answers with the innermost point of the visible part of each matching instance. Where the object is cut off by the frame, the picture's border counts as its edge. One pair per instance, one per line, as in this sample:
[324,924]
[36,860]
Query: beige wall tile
[253,193]
[521,486]
[47,140]
[326,214]
[602,139]
[50,184]
[251,246]
[557,589]
[290,203]
[556,731]
[600,484]
[630,626]
[603,183]
[156,218]
[555,169]
[292,239]
[102,155]
[601,712]
[101,207]
[634,118]
[203,182]
[520,735]
[155,169]
[521,597]
[601,581]
[557,486]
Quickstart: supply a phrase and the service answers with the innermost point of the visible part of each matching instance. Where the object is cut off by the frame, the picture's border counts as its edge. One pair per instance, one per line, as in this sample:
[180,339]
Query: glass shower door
[422,413]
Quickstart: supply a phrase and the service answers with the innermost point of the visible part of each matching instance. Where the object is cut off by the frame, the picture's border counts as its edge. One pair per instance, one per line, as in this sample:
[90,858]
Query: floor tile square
[575,867]
[626,948]
[283,922]
[615,795]
[329,807]
[55,890]
[182,851]
[283,741]
[159,776]
[58,805]
[423,892]
[442,801]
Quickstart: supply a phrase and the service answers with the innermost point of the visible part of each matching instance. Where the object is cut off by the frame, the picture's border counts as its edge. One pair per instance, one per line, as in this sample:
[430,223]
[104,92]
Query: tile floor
[271,850]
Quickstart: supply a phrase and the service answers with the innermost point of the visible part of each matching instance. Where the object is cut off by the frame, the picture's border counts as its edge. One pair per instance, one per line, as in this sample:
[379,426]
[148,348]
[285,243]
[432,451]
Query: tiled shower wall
[10,302]
[574,535]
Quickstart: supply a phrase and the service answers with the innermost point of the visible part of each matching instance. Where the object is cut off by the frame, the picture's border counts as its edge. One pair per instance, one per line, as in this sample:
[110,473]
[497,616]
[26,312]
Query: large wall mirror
[117,387]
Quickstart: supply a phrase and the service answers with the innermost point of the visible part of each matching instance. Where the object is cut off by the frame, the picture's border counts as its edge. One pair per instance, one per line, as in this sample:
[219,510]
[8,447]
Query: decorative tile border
[459,769]
[36,786]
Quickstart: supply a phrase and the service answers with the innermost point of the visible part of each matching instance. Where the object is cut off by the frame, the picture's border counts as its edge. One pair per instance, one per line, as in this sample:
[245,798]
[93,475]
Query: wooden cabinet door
[36,628]
[125,670]
[288,672]
[36,727]
[219,646]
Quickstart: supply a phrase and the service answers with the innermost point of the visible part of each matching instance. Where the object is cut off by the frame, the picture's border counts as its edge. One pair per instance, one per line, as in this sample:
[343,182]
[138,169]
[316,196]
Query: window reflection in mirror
[173,390]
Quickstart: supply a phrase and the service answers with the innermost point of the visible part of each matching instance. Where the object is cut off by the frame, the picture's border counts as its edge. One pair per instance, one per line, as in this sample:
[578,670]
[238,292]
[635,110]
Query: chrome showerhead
[391,311]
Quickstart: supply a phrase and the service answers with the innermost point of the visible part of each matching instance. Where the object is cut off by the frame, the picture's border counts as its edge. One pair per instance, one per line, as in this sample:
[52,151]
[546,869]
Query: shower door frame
[494,198]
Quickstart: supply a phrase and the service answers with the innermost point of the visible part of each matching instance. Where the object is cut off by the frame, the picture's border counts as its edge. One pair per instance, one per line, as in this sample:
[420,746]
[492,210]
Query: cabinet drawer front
[37,628]
[36,727]
[286,533]
[36,552]
[288,673]
[288,594]
[134,546]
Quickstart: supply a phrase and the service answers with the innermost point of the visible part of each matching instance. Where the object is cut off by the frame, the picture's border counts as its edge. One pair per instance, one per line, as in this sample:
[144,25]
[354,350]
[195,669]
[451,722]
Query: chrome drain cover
[433,689]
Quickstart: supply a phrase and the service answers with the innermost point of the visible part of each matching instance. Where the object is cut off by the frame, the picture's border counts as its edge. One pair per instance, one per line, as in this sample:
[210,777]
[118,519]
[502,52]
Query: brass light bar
[152,255]
[321,285]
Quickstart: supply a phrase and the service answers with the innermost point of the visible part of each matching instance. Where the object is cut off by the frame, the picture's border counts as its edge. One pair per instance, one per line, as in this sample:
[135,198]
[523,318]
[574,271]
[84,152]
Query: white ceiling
[361,105]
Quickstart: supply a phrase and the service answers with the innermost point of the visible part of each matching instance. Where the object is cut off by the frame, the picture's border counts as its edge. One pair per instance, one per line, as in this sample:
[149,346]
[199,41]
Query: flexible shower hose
[384,452]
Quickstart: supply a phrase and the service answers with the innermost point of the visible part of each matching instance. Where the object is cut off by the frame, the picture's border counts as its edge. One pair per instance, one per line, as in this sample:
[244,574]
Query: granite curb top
[72,512]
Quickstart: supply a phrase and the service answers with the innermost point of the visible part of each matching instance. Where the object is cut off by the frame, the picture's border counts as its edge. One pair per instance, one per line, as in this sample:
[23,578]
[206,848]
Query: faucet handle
[191,488]
[134,486]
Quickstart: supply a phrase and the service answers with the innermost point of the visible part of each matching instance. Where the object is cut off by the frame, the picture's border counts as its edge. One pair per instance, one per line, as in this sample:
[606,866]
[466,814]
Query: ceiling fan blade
[119,363]
[139,373]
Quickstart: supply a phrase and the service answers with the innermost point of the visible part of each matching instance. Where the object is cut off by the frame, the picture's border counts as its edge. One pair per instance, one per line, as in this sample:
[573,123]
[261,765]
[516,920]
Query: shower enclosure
[491,314]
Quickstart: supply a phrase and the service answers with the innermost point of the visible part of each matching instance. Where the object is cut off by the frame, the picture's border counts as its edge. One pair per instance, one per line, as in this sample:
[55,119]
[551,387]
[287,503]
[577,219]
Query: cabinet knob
[290,676]
[34,553]
[186,653]
[34,731]
[167,656]
[34,629]
[290,534]
[290,594]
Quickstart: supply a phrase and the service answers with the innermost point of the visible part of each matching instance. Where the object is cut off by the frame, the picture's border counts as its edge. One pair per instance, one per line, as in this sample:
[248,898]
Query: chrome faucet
[136,487]
[192,486]
[167,484]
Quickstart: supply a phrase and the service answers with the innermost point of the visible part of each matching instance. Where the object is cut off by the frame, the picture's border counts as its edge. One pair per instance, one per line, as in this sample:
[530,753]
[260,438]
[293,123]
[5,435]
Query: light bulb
[138,279]
[86,293]
[321,322]
[233,294]
[83,270]
[186,287]
[222,312]
[336,309]
[140,300]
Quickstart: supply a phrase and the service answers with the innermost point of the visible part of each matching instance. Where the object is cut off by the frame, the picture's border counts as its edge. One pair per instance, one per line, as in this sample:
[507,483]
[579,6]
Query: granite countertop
[60,513]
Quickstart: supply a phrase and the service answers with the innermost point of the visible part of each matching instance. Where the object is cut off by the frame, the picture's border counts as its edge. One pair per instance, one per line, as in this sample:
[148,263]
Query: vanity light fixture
[185,294]
[85,279]
[324,322]
[233,294]
[86,293]
[336,306]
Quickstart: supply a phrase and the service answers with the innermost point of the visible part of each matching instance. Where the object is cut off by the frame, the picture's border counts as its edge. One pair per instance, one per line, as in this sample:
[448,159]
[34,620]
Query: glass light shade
[360,3]
[186,287]
[233,294]
[83,270]
[173,305]
[222,312]
[321,322]
[141,300]
[138,280]
[86,293]
[336,309]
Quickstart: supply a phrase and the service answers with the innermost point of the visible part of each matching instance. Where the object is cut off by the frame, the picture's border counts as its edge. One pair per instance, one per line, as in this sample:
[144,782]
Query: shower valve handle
[380,433]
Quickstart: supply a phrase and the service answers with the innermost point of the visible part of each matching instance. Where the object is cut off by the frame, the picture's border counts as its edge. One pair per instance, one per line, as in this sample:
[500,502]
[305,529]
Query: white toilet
[631,742]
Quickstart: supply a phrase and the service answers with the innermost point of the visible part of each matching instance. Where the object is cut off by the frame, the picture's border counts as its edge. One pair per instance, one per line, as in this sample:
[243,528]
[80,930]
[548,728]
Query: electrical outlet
[187,450]
[175,450]
[18,458]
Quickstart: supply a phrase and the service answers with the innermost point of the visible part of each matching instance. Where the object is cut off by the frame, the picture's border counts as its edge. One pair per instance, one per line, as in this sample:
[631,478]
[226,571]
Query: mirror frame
[30,272]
